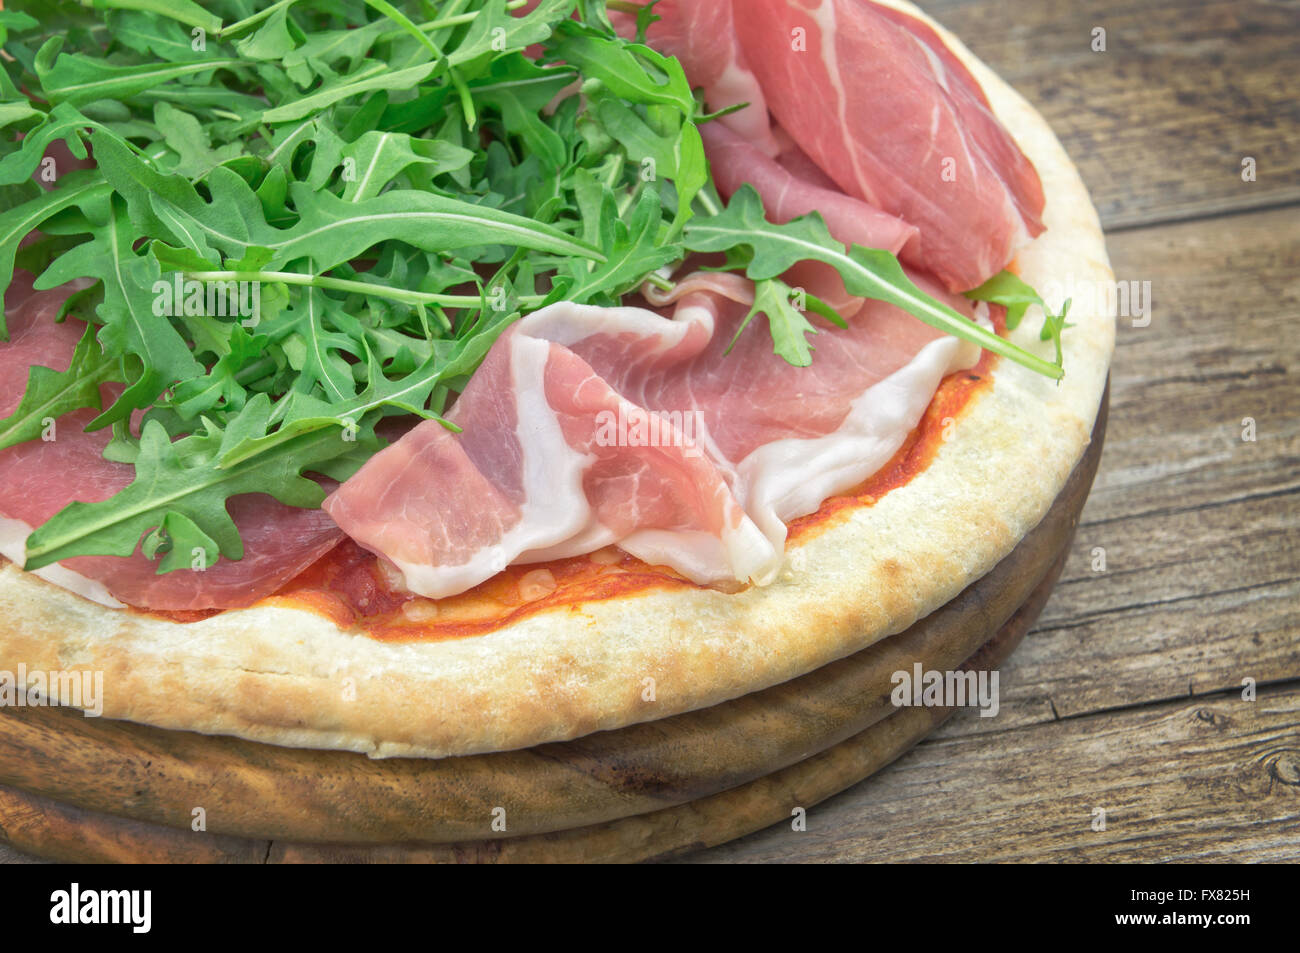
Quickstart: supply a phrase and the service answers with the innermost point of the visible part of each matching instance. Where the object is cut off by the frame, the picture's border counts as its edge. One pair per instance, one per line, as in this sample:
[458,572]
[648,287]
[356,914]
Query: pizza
[427,389]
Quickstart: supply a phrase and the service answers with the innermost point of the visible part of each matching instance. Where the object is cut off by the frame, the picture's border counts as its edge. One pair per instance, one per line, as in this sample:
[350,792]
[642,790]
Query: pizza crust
[290,677]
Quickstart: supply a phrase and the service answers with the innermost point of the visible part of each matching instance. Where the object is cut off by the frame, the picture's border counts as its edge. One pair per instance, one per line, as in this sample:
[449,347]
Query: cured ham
[558,454]
[790,186]
[873,97]
[868,101]
[40,477]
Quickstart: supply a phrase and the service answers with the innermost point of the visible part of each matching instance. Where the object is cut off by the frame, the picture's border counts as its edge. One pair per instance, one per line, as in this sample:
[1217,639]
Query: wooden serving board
[76,788]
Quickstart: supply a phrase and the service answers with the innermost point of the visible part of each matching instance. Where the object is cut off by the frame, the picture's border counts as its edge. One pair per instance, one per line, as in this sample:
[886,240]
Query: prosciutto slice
[588,426]
[40,477]
[874,98]
[790,186]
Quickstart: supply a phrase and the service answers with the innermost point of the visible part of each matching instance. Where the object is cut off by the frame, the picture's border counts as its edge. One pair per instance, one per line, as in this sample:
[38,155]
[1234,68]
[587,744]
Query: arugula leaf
[405,23]
[376,158]
[303,414]
[14,20]
[867,272]
[333,230]
[64,122]
[788,326]
[518,89]
[77,188]
[631,71]
[398,190]
[316,352]
[325,50]
[494,31]
[274,40]
[153,36]
[1010,291]
[132,324]
[189,141]
[330,229]
[374,76]
[633,254]
[51,393]
[183,11]
[176,487]
[221,386]
[75,78]
[677,155]
[12,114]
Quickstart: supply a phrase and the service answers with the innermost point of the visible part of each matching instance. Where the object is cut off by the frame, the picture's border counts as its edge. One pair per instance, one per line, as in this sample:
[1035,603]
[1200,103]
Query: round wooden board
[91,789]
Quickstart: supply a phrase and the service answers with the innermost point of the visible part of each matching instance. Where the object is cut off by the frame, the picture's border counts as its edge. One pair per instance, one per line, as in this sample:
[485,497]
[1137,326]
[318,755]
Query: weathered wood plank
[1150,559]
[1189,604]
[1221,346]
[1217,779]
[1158,123]
[1200,528]
[1170,650]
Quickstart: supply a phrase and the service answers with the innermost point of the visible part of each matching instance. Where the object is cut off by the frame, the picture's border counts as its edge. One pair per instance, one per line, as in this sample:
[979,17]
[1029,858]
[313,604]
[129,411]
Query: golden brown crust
[291,677]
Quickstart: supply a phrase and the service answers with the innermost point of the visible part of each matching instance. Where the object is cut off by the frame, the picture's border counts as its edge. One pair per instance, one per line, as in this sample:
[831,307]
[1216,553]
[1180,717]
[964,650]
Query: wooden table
[1185,577]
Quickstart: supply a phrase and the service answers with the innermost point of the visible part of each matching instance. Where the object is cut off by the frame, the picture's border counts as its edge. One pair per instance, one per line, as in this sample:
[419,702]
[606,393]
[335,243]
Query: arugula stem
[630,196]
[710,206]
[356,287]
[255,19]
[616,170]
[463,18]
[255,371]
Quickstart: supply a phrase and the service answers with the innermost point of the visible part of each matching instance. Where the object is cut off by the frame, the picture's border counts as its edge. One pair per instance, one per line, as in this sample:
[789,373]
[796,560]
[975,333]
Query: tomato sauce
[351,587]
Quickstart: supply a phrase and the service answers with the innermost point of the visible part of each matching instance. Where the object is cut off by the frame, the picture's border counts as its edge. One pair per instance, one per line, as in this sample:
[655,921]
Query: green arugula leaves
[770,250]
[1011,292]
[309,217]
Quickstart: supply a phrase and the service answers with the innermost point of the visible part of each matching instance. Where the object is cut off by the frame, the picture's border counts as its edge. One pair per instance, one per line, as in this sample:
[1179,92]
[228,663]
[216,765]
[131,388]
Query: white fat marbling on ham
[872,122]
[767,441]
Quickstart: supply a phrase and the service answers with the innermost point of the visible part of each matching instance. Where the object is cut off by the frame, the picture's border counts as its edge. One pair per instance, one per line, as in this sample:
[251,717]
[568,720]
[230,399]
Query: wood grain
[1222,346]
[1200,529]
[1210,780]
